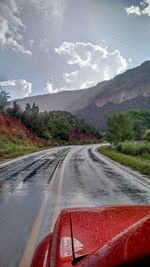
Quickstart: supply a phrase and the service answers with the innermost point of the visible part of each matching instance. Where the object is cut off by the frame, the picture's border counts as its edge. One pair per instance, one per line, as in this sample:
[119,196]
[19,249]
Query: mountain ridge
[125,87]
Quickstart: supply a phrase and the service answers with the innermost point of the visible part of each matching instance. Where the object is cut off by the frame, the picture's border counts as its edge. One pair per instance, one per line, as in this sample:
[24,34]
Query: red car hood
[95,232]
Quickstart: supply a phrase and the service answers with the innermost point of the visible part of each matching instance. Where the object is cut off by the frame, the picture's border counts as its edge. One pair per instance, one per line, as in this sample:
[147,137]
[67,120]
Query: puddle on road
[77,199]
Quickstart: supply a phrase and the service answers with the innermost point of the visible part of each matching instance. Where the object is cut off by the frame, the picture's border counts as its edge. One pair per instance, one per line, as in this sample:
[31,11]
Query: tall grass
[10,147]
[134,148]
[137,163]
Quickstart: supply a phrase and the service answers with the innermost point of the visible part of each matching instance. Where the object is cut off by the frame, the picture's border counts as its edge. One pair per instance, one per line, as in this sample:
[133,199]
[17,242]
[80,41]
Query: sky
[47,46]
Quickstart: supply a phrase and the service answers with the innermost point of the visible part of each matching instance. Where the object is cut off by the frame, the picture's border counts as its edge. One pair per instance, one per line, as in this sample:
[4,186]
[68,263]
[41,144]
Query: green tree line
[131,125]
[46,124]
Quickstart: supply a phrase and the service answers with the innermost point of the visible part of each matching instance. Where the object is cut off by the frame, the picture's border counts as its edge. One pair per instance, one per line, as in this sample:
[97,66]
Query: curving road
[34,188]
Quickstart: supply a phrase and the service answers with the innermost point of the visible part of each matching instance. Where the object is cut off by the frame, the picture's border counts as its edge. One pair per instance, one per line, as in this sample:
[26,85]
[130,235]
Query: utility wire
[76,34]
[98,30]
[101,31]
[52,23]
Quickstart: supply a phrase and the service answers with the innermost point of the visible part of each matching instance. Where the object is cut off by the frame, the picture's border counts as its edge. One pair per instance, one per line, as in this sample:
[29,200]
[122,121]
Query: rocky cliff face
[126,86]
[123,95]
[97,116]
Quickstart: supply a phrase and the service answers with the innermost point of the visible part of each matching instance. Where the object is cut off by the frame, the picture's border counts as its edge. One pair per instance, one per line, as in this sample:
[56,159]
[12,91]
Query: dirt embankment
[12,128]
[75,135]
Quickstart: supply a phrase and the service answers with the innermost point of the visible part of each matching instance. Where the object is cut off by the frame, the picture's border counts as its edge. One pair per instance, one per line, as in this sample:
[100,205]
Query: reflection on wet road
[35,188]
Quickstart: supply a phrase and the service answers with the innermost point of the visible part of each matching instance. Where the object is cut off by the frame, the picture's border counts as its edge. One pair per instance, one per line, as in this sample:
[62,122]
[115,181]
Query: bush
[136,163]
[59,128]
[134,148]
[10,147]
[118,147]
[19,135]
[4,96]
[120,128]
[147,135]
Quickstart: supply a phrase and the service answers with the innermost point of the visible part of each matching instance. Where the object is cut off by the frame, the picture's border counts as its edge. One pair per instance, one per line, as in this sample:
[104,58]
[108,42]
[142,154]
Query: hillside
[70,101]
[97,117]
[24,131]
[95,104]
[16,139]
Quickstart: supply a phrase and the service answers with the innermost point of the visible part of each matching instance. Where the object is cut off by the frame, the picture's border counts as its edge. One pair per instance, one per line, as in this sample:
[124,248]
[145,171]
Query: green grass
[140,164]
[134,148]
[10,147]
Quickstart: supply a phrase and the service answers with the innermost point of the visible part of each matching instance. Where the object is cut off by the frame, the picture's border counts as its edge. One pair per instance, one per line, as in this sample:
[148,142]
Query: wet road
[35,188]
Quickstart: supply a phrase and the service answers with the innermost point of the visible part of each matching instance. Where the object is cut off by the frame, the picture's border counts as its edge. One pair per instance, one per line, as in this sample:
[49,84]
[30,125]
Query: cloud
[44,45]
[50,88]
[93,64]
[146,9]
[52,9]
[133,10]
[10,27]
[142,9]
[17,88]
[31,42]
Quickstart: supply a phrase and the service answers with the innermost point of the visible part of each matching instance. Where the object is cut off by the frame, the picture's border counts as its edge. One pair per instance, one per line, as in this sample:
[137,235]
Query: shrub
[147,135]
[120,128]
[20,135]
[134,148]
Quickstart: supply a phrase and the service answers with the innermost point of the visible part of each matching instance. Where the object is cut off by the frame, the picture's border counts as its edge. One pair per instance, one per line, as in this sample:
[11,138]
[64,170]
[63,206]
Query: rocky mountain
[97,116]
[128,90]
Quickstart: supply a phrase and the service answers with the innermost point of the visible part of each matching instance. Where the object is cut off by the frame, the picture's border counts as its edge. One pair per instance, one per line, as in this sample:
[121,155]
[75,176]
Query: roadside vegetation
[135,148]
[60,126]
[46,128]
[9,147]
[16,139]
[139,164]
[129,135]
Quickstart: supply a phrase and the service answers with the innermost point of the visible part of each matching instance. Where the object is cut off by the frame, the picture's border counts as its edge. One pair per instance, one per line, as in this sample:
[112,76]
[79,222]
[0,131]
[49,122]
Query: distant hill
[97,117]
[128,90]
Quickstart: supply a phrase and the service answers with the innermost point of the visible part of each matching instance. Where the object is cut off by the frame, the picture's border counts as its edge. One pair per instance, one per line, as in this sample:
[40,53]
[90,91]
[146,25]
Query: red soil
[11,127]
[76,135]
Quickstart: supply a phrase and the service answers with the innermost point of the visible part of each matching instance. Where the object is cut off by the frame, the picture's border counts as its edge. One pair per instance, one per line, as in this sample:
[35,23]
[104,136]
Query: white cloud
[133,10]
[50,88]
[31,42]
[10,27]
[17,88]
[142,9]
[52,9]
[93,64]
[45,44]
[146,9]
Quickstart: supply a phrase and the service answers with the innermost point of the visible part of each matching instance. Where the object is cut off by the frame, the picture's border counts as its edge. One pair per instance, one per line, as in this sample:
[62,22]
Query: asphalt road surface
[34,188]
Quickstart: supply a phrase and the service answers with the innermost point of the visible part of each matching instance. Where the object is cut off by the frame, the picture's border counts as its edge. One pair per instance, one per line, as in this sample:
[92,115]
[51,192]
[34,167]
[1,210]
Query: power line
[52,23]
[99,31]
[76,34]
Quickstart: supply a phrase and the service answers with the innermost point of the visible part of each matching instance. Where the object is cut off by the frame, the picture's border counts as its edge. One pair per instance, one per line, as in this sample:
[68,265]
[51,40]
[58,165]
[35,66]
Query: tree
[4,96]
[32,119]
[28,109]
[120,128]
[59,128]
[141,121]
[147,135]
[15,111]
